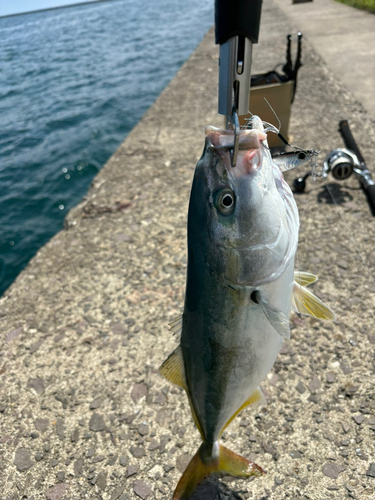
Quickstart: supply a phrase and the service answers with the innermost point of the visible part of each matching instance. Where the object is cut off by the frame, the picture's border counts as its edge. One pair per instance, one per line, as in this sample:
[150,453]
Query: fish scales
[240,289]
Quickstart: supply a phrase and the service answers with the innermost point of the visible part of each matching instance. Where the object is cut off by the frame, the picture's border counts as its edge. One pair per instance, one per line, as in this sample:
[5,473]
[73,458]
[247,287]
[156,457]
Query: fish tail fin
[209,460]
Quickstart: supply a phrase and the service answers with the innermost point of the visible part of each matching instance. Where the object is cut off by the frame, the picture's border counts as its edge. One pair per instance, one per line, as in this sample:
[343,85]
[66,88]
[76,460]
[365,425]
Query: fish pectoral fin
[304,279]
[256,398]
[173,369]
[277,319]
[209,460]
[305,302]
[175,326]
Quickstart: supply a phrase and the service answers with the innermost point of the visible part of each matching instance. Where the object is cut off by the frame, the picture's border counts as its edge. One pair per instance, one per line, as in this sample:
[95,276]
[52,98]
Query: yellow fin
[304,279]
[255,398]
[173,368]
[305,302]
[209,460]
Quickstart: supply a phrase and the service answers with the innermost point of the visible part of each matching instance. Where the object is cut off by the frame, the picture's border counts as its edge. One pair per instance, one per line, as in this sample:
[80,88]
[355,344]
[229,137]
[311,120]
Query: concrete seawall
[84,413]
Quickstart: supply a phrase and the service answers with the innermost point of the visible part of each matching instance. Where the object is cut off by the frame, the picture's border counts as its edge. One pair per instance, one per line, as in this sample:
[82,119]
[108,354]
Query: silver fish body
[238,262]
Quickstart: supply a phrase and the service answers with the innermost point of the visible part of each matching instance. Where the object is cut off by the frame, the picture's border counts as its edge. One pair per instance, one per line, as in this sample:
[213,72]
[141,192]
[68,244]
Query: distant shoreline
[55,8]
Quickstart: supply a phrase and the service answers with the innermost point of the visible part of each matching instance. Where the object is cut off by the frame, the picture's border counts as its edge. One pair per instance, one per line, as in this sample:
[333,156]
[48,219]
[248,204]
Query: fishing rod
[236,29]
[342,163]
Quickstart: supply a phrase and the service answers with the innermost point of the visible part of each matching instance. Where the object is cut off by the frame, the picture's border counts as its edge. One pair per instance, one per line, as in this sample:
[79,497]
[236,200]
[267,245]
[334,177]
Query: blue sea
[73,83]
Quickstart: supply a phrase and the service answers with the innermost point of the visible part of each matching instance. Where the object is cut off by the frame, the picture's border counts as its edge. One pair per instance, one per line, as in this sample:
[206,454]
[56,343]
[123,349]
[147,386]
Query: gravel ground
[84,413]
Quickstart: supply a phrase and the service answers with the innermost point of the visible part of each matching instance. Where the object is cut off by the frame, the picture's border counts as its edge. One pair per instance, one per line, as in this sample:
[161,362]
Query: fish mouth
[250,148]
[224,139]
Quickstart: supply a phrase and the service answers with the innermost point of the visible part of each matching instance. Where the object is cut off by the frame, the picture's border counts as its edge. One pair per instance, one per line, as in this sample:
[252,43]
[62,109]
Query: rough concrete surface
[345,38]
[84,413]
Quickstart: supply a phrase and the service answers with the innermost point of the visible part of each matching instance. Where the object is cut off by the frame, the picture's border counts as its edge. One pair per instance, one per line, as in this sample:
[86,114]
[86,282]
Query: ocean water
[73,83]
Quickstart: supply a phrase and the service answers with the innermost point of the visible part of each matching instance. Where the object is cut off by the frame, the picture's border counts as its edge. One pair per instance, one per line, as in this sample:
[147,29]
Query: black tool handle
[237,18]
[349,139]
[370,194]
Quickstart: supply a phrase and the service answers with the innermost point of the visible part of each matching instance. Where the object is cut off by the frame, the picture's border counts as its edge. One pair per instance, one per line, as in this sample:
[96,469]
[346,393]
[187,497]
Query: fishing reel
[342,163]
[339,162]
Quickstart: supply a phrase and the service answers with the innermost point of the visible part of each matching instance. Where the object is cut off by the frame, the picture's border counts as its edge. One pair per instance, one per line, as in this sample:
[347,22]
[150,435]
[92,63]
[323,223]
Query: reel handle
[349,139]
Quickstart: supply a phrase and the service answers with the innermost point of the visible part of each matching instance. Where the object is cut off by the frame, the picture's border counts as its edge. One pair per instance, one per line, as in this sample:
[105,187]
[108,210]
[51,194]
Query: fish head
[244,218]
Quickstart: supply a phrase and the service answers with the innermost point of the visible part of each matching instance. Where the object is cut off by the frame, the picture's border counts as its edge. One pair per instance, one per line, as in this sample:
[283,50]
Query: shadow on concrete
[213,489]
[333,194]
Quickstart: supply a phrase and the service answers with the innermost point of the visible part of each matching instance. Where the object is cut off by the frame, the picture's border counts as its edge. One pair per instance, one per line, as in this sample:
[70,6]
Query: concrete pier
[84,413]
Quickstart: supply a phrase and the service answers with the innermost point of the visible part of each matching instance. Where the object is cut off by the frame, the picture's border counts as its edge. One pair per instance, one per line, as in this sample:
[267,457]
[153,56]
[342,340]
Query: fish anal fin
[304,279]
[305,302]
[206,461]
[173,369]
[255,398]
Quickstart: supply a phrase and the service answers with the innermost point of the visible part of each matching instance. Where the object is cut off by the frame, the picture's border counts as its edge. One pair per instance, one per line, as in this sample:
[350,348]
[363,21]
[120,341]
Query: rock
[342,263]
[56,492]
[41,424]
[160,399]
[112,460]
[39,456]
[97,459]
[182,461]
[295,454]
[101,481]
[37,384]
[34,347]
[118,328]
[358,419]
[95,403]
[74,436]
[143,429]
[90,453]
[330,378]
[314,384]
[60,476]
[132,469]
[371,470]
[123,460]
[116,493]
[97,423]
[360,454]
[300,387]
[153,445]
[60,428]
[22,459]
[138,391]
[345,427]
[78,464]
[137,451]
[142,489]
[333,470]
[13,334]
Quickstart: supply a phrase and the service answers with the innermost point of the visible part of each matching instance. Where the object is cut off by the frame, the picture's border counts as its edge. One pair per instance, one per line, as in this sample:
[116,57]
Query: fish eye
[301,156]
[225,201]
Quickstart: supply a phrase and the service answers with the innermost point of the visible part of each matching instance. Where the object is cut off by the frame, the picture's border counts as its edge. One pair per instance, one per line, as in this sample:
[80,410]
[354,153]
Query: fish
[240,289]
[293,159]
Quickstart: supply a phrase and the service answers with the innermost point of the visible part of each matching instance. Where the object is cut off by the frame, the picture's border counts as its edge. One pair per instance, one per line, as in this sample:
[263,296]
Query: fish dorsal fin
[176,325]
[256,398]
[173,369]
[304,279]
[305,302]
[278,320]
